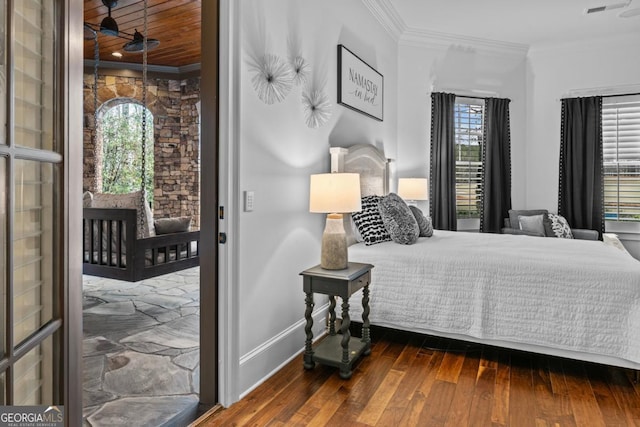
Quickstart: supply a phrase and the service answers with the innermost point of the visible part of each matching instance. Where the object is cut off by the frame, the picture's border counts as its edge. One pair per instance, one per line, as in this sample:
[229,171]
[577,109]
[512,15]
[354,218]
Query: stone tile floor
[141,350]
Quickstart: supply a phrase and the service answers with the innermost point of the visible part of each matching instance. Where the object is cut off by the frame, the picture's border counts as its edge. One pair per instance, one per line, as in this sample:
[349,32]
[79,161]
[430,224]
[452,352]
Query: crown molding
[420,38]
[387,15]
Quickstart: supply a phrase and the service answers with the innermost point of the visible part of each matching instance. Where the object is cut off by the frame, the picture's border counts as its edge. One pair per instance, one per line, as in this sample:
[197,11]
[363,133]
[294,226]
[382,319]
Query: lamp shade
[334,193]
[413,188]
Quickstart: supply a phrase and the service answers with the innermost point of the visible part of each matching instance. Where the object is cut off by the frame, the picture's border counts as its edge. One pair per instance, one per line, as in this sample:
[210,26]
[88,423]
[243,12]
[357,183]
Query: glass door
[30,205]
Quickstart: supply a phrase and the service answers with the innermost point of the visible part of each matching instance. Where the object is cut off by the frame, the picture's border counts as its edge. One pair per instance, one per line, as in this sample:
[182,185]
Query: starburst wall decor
[273,79]
[317,108]
[300,69]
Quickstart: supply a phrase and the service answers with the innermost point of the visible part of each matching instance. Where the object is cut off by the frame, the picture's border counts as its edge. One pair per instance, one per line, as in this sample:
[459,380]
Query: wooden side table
[337,350]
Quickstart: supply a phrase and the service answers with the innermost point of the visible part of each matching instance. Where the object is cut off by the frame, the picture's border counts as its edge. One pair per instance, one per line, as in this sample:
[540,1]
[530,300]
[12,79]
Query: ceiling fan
[109,27]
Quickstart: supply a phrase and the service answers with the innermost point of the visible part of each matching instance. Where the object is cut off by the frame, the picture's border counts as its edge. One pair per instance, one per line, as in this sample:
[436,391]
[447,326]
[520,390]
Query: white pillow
[351,230]
[128,201]
[87,199]
[354,229]
[531,223]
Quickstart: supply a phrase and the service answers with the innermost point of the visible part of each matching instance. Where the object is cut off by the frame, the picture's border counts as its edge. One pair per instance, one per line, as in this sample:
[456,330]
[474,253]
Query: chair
[511,226]
[110,221]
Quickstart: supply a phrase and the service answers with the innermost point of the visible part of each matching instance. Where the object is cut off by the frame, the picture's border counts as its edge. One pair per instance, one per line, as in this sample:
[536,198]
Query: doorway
[208,218]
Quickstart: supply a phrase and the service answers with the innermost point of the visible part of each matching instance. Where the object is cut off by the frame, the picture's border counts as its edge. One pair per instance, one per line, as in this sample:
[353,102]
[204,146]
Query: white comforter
[558,294]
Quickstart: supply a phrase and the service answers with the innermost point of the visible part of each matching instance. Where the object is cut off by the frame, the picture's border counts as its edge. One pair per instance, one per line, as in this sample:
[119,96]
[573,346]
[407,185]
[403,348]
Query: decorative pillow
[369,222]
[532,223]
[351,231]
[177,224]
[424,223]
[128,201]
[87,198]
[399,220]
[354,229]
[560,226]
[548,230]
[515,213]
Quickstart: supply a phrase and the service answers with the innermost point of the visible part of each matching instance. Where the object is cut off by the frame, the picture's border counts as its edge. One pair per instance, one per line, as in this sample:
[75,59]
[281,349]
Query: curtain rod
[604,91]
[469,96]
[476,97]
[621,94]
[466,93]
[602,96]
[484,98]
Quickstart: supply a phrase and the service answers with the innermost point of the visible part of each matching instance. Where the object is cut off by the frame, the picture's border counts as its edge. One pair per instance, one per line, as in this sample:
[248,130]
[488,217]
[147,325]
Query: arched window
[120,128]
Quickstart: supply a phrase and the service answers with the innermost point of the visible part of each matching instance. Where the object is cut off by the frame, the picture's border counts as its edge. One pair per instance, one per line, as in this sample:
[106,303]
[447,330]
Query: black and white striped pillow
[369,221]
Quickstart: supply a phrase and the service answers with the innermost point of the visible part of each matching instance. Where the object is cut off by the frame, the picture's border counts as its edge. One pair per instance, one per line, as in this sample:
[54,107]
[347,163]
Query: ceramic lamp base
[335,253]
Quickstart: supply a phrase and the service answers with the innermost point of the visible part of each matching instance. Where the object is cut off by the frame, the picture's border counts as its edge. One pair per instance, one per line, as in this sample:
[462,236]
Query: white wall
[278,152]
[461,70]
[553,72]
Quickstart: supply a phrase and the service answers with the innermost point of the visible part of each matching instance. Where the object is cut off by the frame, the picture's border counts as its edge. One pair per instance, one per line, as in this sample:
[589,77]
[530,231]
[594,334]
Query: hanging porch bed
[157,247]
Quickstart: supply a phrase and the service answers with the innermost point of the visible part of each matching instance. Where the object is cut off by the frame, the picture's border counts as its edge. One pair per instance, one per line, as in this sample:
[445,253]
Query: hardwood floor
[416,380]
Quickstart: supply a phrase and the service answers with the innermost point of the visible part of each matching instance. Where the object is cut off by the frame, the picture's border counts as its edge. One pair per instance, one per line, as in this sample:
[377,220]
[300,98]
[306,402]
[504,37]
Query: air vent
[597,9]
[608,7]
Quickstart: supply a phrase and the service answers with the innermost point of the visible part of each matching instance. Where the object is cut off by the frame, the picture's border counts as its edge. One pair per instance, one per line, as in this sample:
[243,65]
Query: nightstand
[337,349]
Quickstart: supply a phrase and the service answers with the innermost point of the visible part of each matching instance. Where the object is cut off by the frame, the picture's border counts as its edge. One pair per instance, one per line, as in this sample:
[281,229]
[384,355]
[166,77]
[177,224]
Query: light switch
[248,201]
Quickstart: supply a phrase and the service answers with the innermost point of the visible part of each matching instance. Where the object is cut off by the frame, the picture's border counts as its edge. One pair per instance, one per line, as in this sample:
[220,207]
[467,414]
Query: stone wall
[176,139]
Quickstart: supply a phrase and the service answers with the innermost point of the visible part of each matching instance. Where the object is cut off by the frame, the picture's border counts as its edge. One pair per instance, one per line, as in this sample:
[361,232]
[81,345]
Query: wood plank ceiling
[175,23]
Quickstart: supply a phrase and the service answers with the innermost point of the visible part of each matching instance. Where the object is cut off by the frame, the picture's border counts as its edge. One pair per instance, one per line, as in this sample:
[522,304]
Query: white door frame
[219,188]
[229,195]
[72,65]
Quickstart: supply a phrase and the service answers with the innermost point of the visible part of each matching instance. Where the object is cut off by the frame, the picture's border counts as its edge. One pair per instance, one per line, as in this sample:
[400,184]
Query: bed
[118,244]
[570,298]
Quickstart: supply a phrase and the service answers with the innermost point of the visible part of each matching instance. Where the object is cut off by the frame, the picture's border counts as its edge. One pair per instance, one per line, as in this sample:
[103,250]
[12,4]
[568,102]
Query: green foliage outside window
[468,124]
[121,131]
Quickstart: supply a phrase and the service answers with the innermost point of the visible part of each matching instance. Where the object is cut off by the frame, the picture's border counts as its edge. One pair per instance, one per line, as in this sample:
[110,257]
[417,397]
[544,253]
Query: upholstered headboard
[374,171]
[366,160]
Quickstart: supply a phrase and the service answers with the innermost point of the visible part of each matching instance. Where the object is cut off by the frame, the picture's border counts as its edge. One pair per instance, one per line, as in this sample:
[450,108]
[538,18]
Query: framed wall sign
[360,87]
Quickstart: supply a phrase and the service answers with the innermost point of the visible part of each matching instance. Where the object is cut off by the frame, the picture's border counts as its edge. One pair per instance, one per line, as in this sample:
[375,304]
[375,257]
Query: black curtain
[442,201]
[496,175]
[580,193]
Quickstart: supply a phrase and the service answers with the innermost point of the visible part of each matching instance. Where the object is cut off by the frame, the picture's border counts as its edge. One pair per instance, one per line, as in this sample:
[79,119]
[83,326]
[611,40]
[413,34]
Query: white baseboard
[262,362]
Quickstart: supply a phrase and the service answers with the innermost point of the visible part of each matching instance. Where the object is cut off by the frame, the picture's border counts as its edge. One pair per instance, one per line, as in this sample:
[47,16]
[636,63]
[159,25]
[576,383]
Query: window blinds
[621,156]
[468,124]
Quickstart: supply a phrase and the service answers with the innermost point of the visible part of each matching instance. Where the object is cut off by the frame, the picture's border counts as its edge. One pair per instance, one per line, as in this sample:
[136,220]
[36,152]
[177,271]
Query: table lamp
[334,194]
[412,189]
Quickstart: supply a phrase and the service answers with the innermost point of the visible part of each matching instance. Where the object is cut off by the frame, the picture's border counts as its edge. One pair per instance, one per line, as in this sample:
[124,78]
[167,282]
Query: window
[120,128]
[469,124]
[621,155]
[31,209]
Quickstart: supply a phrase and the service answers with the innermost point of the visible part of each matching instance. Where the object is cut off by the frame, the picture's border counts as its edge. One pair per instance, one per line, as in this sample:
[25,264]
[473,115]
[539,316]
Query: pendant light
[109,27]
[138,42]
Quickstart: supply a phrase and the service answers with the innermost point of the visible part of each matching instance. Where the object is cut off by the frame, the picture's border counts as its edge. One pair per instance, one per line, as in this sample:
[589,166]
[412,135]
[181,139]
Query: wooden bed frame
[109,251]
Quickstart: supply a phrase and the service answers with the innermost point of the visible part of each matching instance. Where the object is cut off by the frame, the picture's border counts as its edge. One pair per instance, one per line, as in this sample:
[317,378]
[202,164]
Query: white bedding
[566,297]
